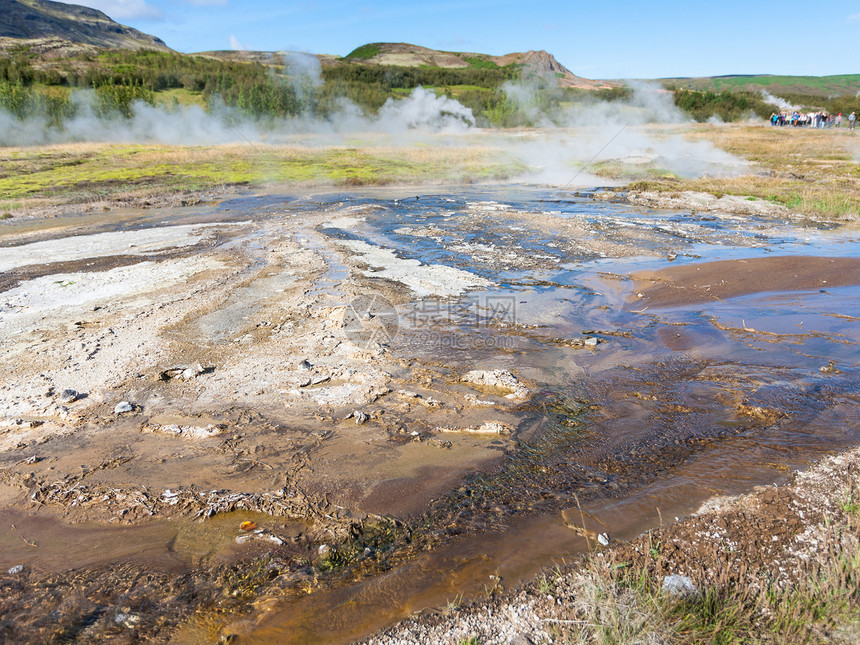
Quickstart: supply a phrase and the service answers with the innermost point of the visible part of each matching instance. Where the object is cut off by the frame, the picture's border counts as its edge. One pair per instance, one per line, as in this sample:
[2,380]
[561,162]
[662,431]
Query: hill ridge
[39,19]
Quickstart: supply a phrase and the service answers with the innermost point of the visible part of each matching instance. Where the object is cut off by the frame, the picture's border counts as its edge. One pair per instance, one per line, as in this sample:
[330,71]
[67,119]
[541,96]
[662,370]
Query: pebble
[68,396]
[591,341]
[679,586]
[305,366]
[127,620]
[18,568]
[360,417]
[122,407]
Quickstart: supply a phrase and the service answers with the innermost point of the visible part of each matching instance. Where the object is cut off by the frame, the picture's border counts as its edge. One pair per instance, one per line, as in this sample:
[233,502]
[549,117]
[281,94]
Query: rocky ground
[235,362]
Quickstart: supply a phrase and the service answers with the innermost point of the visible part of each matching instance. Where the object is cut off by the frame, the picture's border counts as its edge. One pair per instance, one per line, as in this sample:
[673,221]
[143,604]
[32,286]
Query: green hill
[811,86]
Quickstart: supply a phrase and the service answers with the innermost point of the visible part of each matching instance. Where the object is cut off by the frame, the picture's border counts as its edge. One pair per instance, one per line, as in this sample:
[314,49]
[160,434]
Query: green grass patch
[480,62]
[364,52]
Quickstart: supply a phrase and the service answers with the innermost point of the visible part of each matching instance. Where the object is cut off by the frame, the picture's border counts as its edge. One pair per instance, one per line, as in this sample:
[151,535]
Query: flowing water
[671,406]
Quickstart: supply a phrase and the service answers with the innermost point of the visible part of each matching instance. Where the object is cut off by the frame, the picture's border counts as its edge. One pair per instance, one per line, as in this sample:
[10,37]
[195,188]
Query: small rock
[603,538]
[324,551]
[501,380]
[123,407]
[679,586]
[304,366]
[14,571]
[489,428]
[126,620]
[360,417]
[591,341]
[68,396]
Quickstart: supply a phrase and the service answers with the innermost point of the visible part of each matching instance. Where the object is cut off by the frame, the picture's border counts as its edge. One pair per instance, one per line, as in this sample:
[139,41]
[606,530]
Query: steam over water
[579,134]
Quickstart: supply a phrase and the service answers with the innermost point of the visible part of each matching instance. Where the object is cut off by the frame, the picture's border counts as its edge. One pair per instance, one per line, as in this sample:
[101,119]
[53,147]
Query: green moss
[68,177]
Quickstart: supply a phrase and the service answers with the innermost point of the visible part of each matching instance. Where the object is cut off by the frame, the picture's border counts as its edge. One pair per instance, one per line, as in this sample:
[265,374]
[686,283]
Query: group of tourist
[812,120]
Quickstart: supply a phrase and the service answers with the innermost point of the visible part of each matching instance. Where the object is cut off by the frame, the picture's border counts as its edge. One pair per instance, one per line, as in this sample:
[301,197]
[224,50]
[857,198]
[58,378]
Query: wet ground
[413,396]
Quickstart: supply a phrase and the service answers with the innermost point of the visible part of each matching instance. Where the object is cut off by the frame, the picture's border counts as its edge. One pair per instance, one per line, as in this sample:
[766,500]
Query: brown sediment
[723,279]
[766,541]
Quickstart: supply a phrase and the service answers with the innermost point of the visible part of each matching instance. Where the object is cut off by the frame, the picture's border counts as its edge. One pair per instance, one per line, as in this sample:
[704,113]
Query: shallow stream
[669,406]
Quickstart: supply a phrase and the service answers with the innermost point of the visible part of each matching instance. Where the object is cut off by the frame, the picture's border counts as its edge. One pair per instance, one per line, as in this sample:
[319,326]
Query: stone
[123,407]
[591,341]
[488,428]
[360,417]
[500,380]
[679,586]
[68,396]
[14,571]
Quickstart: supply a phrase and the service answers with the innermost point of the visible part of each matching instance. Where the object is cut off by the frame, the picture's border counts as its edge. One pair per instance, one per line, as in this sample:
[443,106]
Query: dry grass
[813,172]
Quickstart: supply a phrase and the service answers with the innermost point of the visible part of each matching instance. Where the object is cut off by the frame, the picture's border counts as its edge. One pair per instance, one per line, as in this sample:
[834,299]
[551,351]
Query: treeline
[57,105]
[845,104]
[251,87]
[737,105]
[726,106]
[393,77]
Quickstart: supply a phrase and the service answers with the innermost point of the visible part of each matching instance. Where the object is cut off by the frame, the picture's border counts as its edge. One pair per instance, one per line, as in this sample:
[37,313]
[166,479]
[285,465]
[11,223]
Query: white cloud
[235,45]
[855,16]
[208,3]
[123,9]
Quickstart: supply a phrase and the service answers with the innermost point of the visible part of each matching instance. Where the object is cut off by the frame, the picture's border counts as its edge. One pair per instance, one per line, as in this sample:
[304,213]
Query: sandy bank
[710,281]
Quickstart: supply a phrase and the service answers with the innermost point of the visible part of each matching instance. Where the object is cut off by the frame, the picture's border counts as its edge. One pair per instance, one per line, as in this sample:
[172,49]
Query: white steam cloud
[562,151]
[782,104]
[627,132]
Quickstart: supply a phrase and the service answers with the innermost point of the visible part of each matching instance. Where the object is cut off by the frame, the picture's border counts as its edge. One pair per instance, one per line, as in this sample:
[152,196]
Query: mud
[388,384]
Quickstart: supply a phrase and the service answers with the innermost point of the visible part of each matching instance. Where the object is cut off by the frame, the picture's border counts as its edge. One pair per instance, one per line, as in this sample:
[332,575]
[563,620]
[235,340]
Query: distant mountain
[406,55]
[37,19]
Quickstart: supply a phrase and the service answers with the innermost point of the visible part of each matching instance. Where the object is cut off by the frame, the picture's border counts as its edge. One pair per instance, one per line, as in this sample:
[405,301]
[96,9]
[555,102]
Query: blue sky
[593,39]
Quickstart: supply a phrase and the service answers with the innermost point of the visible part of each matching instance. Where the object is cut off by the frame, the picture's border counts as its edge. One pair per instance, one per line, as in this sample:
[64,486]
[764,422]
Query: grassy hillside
[811,86]
[74,23]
